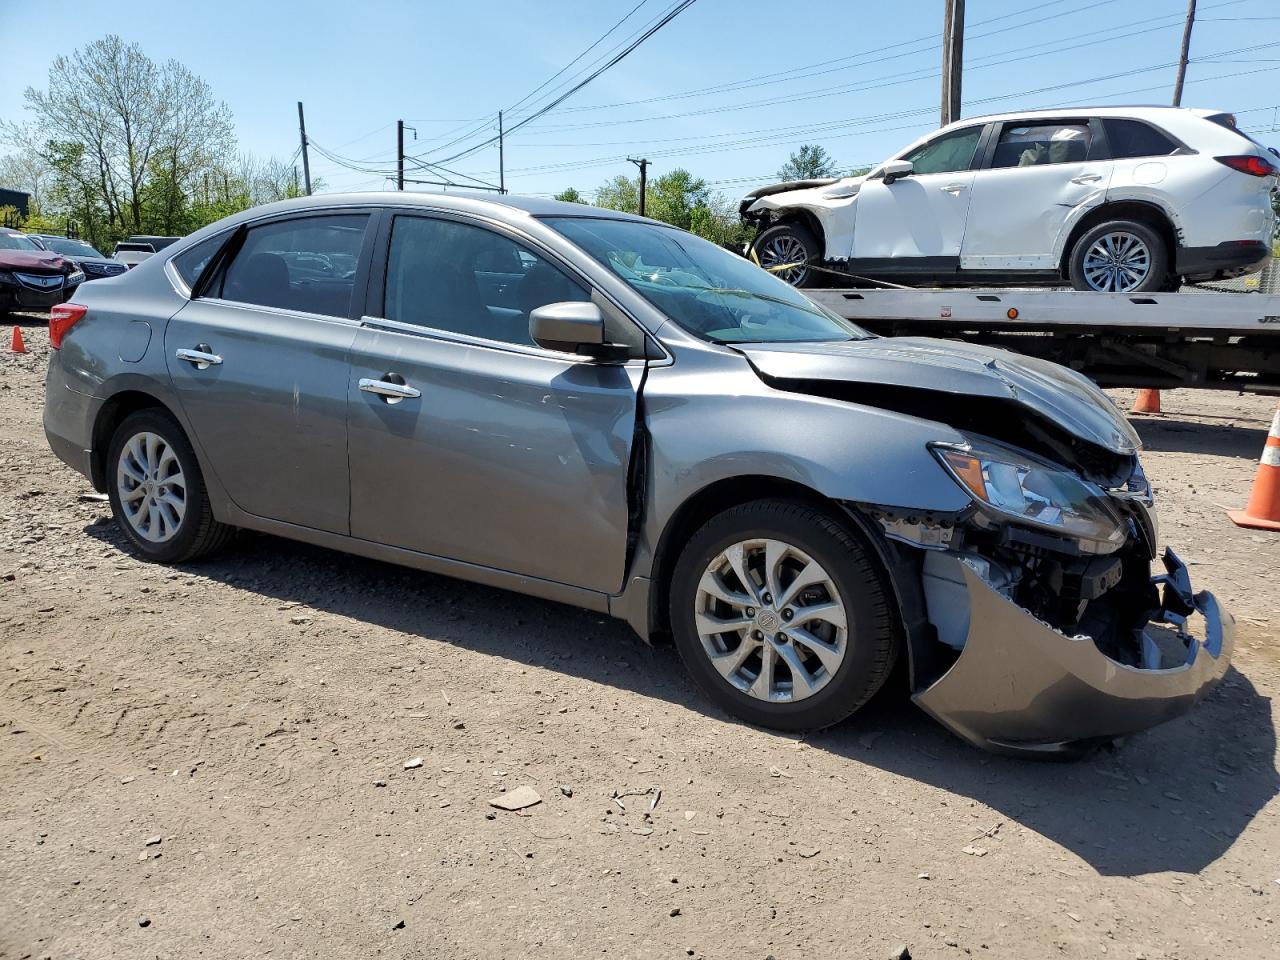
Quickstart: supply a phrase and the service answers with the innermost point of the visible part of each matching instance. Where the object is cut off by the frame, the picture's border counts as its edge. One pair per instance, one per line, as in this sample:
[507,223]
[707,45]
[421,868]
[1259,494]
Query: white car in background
[1119,199]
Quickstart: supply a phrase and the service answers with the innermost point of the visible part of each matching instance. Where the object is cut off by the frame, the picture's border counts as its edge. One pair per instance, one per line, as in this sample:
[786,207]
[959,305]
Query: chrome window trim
[280,311]
[483,343]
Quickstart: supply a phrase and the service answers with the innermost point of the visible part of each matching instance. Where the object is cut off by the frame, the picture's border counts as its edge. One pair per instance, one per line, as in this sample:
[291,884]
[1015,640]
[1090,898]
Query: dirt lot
[255,713]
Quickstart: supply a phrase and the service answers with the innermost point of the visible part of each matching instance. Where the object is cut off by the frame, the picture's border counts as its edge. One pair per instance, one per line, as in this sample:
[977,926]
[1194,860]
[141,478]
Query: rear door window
[1133,138]
[307,265]
[1037,145]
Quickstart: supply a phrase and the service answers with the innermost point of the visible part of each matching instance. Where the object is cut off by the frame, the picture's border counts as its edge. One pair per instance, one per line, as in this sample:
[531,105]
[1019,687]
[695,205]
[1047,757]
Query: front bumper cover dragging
[1020,686]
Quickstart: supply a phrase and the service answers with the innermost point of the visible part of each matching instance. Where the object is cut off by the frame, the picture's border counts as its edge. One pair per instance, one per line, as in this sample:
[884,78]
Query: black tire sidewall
[872,638]
[813,249]
[184,544]
[1157,278]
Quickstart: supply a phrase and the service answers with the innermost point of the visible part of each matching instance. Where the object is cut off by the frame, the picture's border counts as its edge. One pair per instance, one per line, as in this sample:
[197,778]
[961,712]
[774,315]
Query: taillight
[62,318]
[1251,164]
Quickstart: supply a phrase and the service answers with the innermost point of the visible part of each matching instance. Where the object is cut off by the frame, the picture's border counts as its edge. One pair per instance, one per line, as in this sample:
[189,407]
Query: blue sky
[860,78]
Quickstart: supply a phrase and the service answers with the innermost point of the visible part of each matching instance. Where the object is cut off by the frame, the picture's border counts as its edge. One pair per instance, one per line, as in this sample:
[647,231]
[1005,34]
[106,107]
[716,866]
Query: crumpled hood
[1062,396]
[40,260]
[821,193]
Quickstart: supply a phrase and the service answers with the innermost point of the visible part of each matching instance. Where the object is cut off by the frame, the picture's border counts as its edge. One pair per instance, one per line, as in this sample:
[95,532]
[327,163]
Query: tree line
[119,145]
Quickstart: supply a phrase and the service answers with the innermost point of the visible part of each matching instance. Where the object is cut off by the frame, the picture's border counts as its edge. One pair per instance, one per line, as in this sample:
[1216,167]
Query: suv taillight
[1251,164]
[62,318]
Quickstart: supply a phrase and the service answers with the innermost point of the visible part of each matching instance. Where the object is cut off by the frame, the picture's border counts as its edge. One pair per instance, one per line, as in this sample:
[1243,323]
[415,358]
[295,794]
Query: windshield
[72,248]
[708,291]
[16,241]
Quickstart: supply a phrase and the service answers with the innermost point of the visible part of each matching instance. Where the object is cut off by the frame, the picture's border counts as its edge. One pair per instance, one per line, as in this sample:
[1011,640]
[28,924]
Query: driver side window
[949,153]
[467,279]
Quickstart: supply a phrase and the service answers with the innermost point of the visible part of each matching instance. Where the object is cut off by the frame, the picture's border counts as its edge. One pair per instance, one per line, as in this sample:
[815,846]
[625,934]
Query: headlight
[1036,493]
[75,277]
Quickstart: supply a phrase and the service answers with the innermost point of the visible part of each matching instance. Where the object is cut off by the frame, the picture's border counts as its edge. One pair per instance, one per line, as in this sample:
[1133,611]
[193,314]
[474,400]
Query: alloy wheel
[151,486]
[771,620]
[1117,263]
[784,249]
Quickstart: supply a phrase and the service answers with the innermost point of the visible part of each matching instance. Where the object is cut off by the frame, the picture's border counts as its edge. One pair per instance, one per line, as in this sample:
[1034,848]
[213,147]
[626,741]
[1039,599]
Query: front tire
[782,615]
[790,251]
[157,492]
[1120,256]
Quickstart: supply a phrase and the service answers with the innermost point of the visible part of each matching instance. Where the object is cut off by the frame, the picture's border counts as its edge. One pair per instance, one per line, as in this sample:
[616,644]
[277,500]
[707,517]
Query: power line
[474,130]
[831,126]
[678,9]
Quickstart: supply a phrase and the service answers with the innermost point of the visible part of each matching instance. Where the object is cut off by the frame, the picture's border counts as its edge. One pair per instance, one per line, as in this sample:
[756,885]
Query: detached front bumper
[1020,686]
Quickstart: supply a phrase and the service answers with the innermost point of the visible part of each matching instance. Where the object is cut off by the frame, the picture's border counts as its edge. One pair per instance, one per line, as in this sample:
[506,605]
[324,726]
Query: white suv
[1121,199]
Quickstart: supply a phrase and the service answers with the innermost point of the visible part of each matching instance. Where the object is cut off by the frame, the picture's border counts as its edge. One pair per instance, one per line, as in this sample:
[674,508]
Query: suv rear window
[1133,138]
[1228,122]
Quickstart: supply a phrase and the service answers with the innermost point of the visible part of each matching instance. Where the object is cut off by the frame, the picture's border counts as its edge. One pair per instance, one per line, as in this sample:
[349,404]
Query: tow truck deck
[1228,341]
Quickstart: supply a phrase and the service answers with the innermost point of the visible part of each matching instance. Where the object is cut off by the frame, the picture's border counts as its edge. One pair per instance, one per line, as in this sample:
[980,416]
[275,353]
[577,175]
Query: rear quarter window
[1133,138]
[191,263]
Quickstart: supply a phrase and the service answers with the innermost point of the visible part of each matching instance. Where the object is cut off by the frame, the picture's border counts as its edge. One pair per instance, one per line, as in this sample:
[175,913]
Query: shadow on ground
[1171,435]
[1172,799]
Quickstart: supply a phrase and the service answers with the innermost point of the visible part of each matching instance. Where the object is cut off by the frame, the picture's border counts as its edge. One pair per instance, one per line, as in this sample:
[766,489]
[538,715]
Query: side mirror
[573,327]
[896,169]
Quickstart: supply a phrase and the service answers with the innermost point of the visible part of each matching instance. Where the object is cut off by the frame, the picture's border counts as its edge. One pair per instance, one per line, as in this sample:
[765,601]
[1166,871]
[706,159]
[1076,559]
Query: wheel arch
[110,416]
[724,494]
[1142,211]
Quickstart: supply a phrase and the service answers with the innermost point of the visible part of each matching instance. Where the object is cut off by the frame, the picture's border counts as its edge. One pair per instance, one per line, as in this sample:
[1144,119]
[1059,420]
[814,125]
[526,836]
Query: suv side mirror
[896,169]
[573,327]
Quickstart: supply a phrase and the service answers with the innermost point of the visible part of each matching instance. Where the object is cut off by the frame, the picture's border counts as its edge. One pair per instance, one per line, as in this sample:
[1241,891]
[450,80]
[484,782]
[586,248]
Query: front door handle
[953,187]
[202,357]
[1087,178]
[390,388]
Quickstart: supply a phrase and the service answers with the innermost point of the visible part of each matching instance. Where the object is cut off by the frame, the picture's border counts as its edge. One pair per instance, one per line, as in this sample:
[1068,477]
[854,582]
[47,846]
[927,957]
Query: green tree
[808,163]
[680,199]
[570,195]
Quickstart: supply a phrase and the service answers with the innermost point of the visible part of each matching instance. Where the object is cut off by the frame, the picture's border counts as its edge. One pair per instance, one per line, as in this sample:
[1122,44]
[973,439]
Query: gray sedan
[605,411]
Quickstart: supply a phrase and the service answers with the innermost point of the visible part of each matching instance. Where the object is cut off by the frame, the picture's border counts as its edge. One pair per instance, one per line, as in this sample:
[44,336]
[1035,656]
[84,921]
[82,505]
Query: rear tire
[157,491]
[790,243]
[813,642]
[1120,256]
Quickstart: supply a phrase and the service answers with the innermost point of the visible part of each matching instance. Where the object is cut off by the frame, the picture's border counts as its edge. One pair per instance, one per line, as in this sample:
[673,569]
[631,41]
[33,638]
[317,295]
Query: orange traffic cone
[1263,511]
[17,346]
[1148,402]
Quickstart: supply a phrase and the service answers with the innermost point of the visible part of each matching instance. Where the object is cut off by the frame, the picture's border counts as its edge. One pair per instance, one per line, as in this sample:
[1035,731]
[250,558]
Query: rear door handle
[953,187]
[202,357]
[389,389]
[1087,178]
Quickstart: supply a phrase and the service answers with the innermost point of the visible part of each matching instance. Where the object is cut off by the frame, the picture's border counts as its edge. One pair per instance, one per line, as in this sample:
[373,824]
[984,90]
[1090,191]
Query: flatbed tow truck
[1206,339]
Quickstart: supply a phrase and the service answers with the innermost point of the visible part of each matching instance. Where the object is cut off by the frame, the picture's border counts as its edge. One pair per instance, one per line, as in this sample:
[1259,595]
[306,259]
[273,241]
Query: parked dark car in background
[31,277]
[88,258]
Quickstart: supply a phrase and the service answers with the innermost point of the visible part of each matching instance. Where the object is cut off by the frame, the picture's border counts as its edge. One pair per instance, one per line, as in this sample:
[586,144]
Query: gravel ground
[211,761]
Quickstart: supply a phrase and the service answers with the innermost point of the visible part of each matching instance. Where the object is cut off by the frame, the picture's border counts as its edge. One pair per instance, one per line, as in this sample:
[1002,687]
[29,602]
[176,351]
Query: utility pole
[1186,48]
[502,168]
[644,179]
[399,154]
[306,162]
[952,59]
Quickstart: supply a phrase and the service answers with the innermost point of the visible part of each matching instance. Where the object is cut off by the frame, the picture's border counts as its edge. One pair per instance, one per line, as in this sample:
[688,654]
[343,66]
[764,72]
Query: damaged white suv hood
[1055,393]
[773,198]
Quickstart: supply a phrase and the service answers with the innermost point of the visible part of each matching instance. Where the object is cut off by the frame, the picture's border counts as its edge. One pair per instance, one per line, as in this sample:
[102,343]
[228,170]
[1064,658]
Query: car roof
[502,206]
[1138,112]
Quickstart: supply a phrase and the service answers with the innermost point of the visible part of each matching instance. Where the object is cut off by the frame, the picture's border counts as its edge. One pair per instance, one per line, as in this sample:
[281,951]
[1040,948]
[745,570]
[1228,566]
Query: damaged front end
[1045,631]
